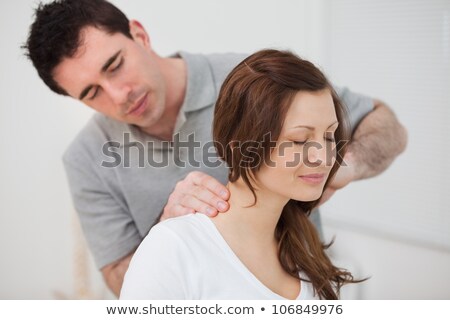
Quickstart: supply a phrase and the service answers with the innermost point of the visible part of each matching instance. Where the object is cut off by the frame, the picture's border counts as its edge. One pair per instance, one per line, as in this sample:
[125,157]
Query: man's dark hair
[55,32]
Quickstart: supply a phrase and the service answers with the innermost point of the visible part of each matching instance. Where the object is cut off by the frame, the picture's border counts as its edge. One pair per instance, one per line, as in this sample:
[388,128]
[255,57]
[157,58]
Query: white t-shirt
[187,258]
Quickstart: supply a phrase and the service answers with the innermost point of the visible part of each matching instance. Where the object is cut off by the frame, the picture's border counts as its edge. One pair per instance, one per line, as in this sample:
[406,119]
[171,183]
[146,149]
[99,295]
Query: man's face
[116,76]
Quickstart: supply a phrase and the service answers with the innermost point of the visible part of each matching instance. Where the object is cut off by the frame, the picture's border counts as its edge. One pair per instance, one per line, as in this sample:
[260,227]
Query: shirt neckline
[304,288]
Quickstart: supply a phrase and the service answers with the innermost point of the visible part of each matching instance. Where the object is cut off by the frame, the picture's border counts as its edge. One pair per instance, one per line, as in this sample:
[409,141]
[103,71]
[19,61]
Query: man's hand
[198,192]
[343,177]
[376,142]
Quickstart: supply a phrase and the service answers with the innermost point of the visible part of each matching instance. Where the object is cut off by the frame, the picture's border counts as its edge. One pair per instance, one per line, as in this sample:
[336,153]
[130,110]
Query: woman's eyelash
[330,139]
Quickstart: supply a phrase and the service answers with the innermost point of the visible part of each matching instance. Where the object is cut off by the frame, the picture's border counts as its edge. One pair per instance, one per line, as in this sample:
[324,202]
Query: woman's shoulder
[188,221]
[182,228]
[169,242]
[157,269]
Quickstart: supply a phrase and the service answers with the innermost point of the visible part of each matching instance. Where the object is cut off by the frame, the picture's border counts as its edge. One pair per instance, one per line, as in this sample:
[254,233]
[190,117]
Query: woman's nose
[316,154]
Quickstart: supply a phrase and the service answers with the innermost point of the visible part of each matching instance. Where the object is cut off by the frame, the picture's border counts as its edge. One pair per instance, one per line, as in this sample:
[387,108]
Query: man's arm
[108,226]
[115,272]
[376,142]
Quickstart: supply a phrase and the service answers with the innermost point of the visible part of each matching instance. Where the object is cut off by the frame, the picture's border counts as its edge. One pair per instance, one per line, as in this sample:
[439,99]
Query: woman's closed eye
[329,138]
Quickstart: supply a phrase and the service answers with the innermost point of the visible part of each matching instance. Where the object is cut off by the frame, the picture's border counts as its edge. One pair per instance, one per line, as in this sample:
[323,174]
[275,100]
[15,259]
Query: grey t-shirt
[120,178]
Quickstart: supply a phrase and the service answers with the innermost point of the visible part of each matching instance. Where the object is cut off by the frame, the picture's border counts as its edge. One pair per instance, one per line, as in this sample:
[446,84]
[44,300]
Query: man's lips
[139,106]
[313,178]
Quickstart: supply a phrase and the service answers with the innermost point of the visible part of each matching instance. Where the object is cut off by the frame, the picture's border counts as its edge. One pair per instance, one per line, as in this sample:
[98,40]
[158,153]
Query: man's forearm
[115,272]
[376,142]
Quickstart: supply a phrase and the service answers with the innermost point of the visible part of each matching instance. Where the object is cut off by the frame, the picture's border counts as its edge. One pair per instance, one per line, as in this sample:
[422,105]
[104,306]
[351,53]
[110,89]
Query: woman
[277,122]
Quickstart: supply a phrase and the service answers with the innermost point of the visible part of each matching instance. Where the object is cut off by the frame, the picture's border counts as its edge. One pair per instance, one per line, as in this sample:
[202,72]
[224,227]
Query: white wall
[38,239]
[396,227]
[35,208]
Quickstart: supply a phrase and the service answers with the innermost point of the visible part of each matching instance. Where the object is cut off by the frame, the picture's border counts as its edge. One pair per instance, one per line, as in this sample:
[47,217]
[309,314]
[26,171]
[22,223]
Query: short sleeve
[156,271]
[358,105]
[107,224]
[221,65]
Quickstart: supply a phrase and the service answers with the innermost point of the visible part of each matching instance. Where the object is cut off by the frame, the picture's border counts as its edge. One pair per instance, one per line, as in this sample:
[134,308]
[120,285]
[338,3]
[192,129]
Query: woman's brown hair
[252,103]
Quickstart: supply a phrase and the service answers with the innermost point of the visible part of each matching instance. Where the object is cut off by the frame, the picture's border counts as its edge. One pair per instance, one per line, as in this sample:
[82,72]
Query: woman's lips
[140,106]
[313,178]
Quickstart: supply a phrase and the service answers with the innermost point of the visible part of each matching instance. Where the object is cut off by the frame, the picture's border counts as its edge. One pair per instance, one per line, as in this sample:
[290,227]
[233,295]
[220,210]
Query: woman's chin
[308,197]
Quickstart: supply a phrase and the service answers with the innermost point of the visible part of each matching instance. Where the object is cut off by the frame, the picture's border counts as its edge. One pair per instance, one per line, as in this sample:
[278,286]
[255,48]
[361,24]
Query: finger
[210,183]
[209,198]
[176,210]
[192,202]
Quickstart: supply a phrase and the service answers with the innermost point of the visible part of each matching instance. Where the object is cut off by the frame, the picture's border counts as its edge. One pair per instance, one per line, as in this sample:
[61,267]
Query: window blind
[399,52]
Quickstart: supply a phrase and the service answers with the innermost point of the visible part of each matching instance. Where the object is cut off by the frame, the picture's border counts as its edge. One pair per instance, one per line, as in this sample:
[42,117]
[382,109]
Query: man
[153,106]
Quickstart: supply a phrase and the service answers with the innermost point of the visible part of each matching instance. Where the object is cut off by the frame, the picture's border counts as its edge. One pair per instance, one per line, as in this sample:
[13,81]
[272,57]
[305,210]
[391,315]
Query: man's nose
[119,92]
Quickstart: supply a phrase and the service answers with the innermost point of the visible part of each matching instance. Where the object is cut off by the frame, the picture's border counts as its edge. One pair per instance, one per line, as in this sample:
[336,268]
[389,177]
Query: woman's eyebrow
[312,128]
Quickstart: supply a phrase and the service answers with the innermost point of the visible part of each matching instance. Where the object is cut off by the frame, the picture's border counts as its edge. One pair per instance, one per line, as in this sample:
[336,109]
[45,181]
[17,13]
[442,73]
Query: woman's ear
[139,34]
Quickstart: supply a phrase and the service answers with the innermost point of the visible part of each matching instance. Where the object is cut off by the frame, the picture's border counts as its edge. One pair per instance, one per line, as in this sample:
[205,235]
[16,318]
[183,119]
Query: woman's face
[305,151]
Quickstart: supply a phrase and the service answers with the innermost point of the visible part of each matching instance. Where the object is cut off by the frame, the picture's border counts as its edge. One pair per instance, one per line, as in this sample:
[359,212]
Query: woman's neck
[252,224]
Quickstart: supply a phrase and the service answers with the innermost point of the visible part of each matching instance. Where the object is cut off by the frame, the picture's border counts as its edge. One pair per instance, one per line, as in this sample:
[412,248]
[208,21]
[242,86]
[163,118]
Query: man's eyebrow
[312,128]
[110,61]
[104,68]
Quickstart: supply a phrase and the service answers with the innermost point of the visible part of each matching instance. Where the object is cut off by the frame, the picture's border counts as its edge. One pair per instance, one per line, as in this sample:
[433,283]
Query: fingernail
[223,194]
[209,211]
[221,205]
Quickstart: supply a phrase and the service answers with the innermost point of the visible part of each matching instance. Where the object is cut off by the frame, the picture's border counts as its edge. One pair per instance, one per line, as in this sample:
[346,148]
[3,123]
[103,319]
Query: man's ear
[139,34]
